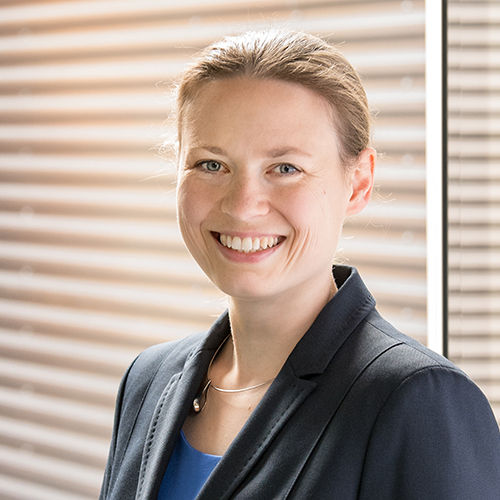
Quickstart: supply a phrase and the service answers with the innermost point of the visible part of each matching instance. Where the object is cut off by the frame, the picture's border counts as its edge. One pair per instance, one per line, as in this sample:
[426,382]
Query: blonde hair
[290,56]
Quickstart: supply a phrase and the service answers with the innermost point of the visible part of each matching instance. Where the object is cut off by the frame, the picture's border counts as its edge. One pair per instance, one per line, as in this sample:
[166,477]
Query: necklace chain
[249,388]
[198,405]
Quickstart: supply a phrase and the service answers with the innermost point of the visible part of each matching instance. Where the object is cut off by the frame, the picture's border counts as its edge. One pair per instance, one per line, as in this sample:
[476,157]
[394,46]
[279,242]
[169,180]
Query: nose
[245,198]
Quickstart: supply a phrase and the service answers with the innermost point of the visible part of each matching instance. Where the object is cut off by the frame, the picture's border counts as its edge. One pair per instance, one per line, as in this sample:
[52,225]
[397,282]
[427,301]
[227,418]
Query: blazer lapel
[172,409]
[282,399]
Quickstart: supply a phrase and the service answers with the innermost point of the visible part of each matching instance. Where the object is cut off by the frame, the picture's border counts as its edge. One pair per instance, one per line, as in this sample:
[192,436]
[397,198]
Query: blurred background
[92,267]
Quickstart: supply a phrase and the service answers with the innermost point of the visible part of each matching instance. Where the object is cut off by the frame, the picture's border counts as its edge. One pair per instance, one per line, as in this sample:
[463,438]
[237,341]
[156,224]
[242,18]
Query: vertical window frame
[436,88]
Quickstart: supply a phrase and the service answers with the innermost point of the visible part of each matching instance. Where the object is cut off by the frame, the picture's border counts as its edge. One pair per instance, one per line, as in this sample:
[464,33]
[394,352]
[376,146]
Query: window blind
[92,265]
[474,191]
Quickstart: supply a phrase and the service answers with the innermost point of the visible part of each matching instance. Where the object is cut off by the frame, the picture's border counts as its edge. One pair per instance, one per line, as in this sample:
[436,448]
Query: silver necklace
[200,402]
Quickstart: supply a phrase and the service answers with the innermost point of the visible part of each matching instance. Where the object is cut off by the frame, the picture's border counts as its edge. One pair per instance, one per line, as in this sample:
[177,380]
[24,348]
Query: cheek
[190,202]
[319,219]
[318,206]
[188,218]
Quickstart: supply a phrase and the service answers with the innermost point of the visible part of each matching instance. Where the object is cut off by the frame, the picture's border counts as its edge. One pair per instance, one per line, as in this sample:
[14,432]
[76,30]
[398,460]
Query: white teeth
[248,244]
[236,243]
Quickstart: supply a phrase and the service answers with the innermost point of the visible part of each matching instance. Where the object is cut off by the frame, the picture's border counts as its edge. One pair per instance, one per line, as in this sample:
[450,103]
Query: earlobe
[362,181]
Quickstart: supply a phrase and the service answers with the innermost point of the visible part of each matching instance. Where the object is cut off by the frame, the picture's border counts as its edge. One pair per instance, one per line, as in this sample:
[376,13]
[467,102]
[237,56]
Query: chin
[246,290]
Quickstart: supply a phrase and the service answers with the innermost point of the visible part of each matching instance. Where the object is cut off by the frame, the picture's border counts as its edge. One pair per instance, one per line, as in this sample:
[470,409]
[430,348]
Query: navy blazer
[358,411]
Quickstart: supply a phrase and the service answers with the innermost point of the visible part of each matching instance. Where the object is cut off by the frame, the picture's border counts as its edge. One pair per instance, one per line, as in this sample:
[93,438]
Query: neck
[264,333]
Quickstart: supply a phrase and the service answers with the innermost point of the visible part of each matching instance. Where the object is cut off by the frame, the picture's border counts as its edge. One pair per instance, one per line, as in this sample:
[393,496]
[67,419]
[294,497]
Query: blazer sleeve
[434,438]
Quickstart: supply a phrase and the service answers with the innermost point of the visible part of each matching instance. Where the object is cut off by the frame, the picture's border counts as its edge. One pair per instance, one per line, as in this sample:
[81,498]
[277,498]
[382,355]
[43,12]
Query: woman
[300,390]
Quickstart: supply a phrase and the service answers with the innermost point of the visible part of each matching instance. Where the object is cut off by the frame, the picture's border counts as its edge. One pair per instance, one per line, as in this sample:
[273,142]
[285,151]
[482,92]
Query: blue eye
[286,169]
[210,165]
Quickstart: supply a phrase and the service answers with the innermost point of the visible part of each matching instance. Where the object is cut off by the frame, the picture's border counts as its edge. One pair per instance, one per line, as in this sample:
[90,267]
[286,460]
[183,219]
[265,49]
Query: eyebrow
[212,149]
[283,151]
[272,153]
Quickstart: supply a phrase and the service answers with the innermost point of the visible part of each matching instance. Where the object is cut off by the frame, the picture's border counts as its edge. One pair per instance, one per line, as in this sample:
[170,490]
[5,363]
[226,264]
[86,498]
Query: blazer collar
[336,321]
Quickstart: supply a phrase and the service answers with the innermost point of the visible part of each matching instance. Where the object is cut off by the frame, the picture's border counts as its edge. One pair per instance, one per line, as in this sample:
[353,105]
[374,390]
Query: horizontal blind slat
[75,478]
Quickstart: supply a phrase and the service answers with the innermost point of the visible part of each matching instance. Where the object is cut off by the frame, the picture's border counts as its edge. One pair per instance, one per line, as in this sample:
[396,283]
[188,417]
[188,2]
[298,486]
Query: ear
[361,180]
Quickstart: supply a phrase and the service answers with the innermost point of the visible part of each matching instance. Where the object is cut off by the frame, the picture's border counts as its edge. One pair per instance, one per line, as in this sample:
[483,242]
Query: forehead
[265,110]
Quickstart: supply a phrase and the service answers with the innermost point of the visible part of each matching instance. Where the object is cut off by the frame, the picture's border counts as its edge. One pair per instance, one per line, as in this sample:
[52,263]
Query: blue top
[187,471]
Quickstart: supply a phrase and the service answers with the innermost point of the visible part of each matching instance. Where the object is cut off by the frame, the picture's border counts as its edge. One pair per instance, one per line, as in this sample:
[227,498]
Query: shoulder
[136,384]
[415,374]
[158,361]
[170,355]
[400,359]
[434,435]
[418,388]
[398,377]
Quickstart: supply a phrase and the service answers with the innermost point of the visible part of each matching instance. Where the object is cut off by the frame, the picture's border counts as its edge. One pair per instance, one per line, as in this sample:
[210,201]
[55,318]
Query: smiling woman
[301,389]
[239,176]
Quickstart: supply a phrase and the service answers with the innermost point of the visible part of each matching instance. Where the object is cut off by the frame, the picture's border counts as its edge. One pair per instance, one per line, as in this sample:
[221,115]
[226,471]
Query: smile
[248,244]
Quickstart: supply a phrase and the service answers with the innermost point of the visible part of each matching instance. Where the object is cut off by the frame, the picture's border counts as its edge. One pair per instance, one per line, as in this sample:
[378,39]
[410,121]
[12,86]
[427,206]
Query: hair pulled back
[293,57]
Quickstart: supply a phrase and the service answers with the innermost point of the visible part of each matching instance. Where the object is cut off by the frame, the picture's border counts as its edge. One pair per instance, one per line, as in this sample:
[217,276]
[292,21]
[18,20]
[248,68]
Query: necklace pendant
[200,401]
[196,405]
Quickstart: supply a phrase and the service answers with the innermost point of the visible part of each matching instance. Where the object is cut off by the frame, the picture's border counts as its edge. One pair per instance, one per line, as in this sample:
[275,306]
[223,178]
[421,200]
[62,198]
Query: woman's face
[261,192]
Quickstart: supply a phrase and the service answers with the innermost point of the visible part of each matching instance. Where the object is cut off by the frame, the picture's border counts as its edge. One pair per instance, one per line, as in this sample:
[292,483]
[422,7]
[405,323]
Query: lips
[248,244]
